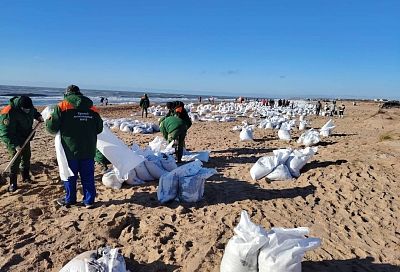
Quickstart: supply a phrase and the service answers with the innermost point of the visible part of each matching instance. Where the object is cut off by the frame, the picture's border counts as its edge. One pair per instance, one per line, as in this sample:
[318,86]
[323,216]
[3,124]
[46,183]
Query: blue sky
[263,48]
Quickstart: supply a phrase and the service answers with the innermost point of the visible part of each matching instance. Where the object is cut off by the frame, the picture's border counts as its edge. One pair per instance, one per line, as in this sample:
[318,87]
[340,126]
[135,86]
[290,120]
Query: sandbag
[282,154]
[327,129]
[168,187]
[281,172]
[302,125]
[298,159]
[284,134]
[79,263]
[263,167]
[246,134]
[241,252]
[168,163]
[191,189]
[285,250]
[133,179]
[142,172]
[111,179]
[309,138]
[201,155]
[117,152]
[154,167]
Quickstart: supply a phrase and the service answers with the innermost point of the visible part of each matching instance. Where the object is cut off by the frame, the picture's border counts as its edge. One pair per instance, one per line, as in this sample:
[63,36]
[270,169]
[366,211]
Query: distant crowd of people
[330,110]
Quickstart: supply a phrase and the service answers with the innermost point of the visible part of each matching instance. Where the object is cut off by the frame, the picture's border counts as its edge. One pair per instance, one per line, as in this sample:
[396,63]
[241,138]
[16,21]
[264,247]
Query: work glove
[18,148]
[40,119]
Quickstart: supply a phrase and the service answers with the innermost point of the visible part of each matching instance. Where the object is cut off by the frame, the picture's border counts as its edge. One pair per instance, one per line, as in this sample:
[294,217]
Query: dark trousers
[85,168]
[24,159]
[144,110]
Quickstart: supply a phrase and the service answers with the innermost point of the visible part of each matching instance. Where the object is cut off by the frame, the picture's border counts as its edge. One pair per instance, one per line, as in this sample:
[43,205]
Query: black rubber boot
[179,154]
[25,175]
[13,182]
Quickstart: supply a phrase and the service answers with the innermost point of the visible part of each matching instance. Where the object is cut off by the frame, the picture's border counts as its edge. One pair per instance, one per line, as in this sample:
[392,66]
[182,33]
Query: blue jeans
[85,168]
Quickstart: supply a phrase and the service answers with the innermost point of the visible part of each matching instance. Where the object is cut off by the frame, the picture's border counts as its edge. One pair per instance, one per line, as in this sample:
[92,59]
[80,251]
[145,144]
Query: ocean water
[42,96]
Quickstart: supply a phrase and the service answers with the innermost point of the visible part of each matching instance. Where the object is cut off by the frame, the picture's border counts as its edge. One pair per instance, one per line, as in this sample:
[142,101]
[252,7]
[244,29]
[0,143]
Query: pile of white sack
[254,249]
[133,126]
[156,161]
[283,165]
[185,183]
[103,259]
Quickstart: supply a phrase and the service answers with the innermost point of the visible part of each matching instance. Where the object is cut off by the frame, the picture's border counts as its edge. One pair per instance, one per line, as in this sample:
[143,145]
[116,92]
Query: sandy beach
[348,195]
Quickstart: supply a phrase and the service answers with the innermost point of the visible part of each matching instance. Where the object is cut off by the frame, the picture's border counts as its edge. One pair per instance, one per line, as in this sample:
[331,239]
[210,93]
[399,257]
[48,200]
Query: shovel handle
[22,148]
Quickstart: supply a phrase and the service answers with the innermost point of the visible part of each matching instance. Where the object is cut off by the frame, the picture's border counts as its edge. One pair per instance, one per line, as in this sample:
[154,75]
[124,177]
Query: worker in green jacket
[174,129]
[177,108]
[79,122]
[16,122]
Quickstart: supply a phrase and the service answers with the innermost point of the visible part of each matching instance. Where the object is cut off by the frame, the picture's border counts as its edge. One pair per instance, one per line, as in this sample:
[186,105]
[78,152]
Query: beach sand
[348,195]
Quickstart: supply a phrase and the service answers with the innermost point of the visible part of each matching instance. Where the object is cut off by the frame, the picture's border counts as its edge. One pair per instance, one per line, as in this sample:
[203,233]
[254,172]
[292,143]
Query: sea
[45,96]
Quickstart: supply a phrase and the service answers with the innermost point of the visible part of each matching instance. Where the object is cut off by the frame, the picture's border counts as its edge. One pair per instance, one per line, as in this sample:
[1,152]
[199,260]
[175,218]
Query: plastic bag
[298,159]
[154,167]
[143,173]
[284,134]
[79,263]
[241,252]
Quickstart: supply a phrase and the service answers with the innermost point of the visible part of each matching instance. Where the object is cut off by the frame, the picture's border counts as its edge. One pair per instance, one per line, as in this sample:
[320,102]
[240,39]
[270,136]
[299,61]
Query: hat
[25,102]
[169,105]
[72,89]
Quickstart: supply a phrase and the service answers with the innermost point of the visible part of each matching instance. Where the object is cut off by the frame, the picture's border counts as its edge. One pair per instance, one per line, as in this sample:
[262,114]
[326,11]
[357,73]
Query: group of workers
[78,122]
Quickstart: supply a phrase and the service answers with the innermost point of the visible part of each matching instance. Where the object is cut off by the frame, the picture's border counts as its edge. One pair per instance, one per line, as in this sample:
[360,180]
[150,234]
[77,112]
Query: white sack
[263,167]
[63,168]
[282,154]
[142,172]
[281,172]
[167,187]
[191,189]
[168,163]
[117,152]
[111,261]
[284,134]
[285,250]
[246,134]
[309,138]
[302,125]
[201,155]
[154,167]
[242,249]
[111,180]
[298,159]
[133,179]
[79,263]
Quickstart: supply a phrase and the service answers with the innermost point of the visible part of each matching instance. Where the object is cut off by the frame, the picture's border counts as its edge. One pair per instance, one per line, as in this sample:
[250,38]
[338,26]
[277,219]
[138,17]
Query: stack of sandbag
[327,129]
[253,249]
[284,164]
[185,183]
[103,259]
[309,138]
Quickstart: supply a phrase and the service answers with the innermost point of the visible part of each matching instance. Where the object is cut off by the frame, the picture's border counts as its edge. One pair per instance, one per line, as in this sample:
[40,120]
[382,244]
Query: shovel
[2,175]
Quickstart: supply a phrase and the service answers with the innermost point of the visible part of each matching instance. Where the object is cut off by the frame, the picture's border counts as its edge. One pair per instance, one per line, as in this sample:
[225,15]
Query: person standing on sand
[177,108]
[16,122]
[78,122]
[341,111]
[318,108]
[144,104]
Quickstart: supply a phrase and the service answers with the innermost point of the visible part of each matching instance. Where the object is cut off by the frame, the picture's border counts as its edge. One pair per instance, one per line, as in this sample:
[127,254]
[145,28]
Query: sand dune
[348,195]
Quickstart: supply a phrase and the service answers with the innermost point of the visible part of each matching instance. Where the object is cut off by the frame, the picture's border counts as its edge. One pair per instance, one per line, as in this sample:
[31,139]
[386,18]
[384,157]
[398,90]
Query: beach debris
[103,259]
[253,248]
[185,183]
[326,129]
[283,165]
